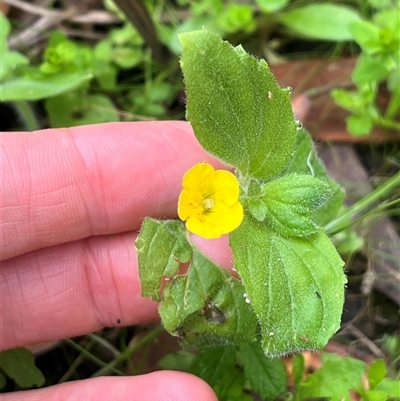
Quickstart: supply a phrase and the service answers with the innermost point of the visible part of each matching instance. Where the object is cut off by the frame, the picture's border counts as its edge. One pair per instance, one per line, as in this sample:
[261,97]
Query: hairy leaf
[290,200]
[266,376]
[212,363]
[161,247]
[238,111]
[306,161]
[201,303]
[295,285]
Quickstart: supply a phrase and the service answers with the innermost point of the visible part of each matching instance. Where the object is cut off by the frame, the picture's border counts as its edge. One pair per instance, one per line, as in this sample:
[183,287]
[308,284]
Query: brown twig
[29,8]
[49,18]
[30,35]
[93,17]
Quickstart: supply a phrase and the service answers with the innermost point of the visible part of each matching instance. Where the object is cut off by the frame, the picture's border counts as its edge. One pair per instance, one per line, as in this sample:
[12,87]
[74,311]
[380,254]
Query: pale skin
[72,202]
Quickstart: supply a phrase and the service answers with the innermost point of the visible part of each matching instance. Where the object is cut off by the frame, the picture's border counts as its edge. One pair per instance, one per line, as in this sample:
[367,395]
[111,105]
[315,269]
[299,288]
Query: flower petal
[209,201]
[184,201]
[228,217]
[226,187]
[198,176]
[203,227]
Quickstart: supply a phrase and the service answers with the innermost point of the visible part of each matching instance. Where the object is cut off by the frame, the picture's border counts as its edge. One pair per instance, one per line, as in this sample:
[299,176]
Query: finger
[77,288]
[67,184]
[156,386]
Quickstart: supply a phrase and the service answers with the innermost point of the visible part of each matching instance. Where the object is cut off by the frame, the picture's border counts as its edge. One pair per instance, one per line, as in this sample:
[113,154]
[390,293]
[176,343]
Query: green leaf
[298,369]
[66,110]
[267,377]
[106,74]
[3,381]
[212,364]
[295,285]
[237,17]
[381,4]
[349,100]
[9,62]
[257,208]
[306,161]
[204,306]
[127,35]
[103,50]
[376,372]
[231,386]
[392,345]
[390,387]
[366,34]
[359,125]
[369,69]
[5,27]
[161,246]
[170,37]
[374,395]
[290,201]
[270,6]
[237,110]
[127,57]
[333,380]
[321,21]
[347,241]
[389,19]
[19,365]
[180,361]
[36,88]
[56,38]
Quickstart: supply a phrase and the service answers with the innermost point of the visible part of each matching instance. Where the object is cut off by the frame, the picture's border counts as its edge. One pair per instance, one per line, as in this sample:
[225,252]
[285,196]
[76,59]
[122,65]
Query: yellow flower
[209,201]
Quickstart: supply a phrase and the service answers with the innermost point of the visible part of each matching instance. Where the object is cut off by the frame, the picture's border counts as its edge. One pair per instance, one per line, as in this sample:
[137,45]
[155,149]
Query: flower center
[208,203]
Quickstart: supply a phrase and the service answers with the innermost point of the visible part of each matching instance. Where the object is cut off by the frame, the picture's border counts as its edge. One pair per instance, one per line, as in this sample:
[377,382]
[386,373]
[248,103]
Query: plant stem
[93,358]
[128,351]
[343,221]
[27,115]
[75,364]
[386,123]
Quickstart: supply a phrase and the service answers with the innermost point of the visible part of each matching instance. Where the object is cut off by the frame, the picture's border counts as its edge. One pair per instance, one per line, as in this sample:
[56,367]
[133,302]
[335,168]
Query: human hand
[72,202]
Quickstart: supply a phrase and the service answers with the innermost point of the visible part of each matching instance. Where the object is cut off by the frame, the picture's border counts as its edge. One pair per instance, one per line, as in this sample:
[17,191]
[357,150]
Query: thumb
[156,386]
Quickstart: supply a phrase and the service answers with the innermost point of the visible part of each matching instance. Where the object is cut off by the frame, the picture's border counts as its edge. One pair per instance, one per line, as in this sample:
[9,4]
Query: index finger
[61,185]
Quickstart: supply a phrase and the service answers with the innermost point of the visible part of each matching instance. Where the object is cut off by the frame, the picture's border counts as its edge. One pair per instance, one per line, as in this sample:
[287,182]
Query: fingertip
[217,250]
[177,386]
[156,386]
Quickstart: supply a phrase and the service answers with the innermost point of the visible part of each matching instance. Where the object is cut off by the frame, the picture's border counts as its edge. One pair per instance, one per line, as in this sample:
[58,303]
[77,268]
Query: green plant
[74,80]
[286,201]
[78,90]
[60,71]
[234,372]
[378,64]
[19,365]
[290,272]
